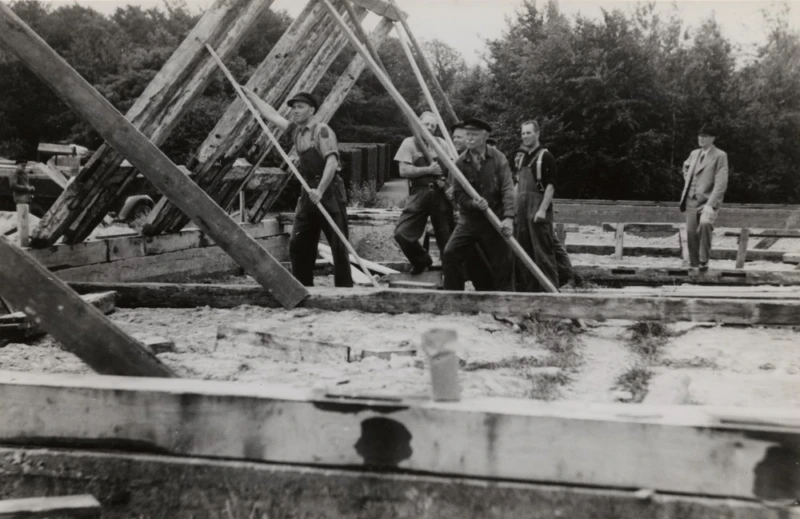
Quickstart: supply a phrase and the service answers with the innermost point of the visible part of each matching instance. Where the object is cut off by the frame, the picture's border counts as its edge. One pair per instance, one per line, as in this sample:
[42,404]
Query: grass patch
[558,338]
[635,381]
[693,363]
[512,363]
[364,196]
[547,386]
[648,339]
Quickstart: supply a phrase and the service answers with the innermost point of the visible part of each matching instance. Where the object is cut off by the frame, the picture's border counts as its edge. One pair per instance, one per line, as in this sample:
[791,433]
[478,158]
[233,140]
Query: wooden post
[426,64]
[242,207]
[80,328]
[157,111]
[289,162]
[23,224]
[618,238]
[741,255]
[683,242]
[441,152]
[77,93]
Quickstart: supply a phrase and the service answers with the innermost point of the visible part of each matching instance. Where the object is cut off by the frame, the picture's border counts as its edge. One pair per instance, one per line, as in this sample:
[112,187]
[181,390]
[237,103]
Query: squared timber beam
[80,328]
[168,96]
[78,94]
[692,450]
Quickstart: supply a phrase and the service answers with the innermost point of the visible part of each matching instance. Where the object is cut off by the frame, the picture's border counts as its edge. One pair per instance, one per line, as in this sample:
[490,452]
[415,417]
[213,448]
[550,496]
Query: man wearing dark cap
[319,161]
[487,170]
[705,175]
[427,185]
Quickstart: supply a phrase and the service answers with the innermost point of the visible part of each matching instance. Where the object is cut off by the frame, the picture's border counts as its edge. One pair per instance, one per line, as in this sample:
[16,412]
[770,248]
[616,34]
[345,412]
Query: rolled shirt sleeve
[326,142]
[406,151]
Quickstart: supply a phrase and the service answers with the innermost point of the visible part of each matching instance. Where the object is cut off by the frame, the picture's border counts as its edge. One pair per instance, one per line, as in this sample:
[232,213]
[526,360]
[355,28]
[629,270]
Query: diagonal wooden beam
[80,327]
[236,131]
[87,199]
[79,95]
[327,110]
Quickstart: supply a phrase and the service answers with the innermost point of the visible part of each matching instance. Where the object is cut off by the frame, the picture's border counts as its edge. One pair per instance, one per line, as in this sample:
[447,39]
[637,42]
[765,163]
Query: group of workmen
[472,247]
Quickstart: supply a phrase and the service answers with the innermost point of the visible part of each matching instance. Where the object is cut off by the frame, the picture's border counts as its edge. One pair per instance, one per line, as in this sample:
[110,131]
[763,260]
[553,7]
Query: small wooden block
[155,344]
[81,506]
[264,343]
[618,240]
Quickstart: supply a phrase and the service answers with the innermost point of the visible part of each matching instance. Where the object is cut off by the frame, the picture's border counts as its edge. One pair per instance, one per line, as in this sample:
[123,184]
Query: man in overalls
[530,142]
[534,222]
[319,161]
[427,185]
[487,170]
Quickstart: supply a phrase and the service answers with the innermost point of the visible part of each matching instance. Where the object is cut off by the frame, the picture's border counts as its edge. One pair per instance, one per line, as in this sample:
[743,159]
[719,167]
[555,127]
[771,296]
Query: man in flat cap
[22,190]
[705,175]
[319,162]
[427,185]
[488,171]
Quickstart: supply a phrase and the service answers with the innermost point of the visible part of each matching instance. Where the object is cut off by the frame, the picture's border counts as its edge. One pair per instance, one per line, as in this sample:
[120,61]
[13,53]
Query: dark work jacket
[492,181]
[20,186]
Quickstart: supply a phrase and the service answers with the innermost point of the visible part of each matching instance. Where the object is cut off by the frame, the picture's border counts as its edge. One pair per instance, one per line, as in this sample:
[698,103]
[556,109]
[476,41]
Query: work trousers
[563,264]
[423,202]
[699,231]
[308,222]
[460,251]
[538,241]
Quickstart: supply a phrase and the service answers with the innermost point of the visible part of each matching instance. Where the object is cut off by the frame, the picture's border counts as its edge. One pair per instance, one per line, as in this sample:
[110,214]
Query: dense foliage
[620,98]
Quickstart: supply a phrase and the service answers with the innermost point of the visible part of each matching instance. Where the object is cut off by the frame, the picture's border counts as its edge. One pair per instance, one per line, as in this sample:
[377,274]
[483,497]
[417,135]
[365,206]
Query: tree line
[619,98]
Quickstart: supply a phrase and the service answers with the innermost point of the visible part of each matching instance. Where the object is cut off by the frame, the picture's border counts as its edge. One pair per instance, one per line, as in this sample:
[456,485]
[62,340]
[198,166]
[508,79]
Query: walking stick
[285,156]
[443,155]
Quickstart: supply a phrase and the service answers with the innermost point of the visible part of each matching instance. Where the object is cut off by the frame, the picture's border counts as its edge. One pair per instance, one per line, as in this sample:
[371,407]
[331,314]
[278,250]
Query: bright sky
[465,24]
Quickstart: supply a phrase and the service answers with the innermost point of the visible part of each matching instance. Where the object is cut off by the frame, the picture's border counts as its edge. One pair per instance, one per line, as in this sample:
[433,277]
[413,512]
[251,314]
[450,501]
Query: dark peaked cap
[304,97]
[473,123]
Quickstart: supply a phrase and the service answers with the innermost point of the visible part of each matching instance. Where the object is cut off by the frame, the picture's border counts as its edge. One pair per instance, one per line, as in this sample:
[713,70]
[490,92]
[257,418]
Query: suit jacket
[710,177]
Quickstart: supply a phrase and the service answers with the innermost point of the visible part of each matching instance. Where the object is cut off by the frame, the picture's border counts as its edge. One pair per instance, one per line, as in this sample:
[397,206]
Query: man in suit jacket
[705,175]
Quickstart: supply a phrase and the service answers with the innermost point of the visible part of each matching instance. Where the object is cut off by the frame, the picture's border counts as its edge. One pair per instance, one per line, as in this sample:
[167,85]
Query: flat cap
[473,123]
[708,129]
[304,97]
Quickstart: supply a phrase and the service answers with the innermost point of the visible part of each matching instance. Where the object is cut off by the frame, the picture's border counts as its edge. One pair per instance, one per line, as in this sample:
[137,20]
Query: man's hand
[435,169]
[540,216]
[315,196]
[507,226]
[706,214]
[480,203]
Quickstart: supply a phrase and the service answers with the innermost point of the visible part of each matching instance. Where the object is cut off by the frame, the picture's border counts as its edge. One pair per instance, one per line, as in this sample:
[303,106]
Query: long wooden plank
[326,111]
[82,506]
[391,301]
[309,43]
[746,453]
[769,233]
[623,276]
[76,92]
[155,113]
[80,328]
[169,486]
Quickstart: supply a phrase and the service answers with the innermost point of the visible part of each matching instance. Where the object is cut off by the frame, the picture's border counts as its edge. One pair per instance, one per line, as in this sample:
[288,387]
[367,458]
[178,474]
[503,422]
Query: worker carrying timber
[705,175]
[427,185]
[488,171]
[319,163]
[537,173]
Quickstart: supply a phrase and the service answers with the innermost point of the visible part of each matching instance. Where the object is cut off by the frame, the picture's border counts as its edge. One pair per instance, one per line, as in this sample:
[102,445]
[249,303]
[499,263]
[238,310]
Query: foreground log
[83,506]
[77,93]
[743,453]
[549,306]
[80,328]
[82,206]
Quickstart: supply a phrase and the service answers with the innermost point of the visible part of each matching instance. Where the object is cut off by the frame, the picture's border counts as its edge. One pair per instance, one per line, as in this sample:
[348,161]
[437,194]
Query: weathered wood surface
[760,293]
[327,109]
[743,453]
[77,507]
[19,327]
[671,276]
[791,257]
[395,301]
[253,339]
[177,267]
[741,255]
[170,486]
[77,93]
[297,61]
[155,113]
[619,236]
[80,328]
[769,233]
[639,227]
[668,252]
